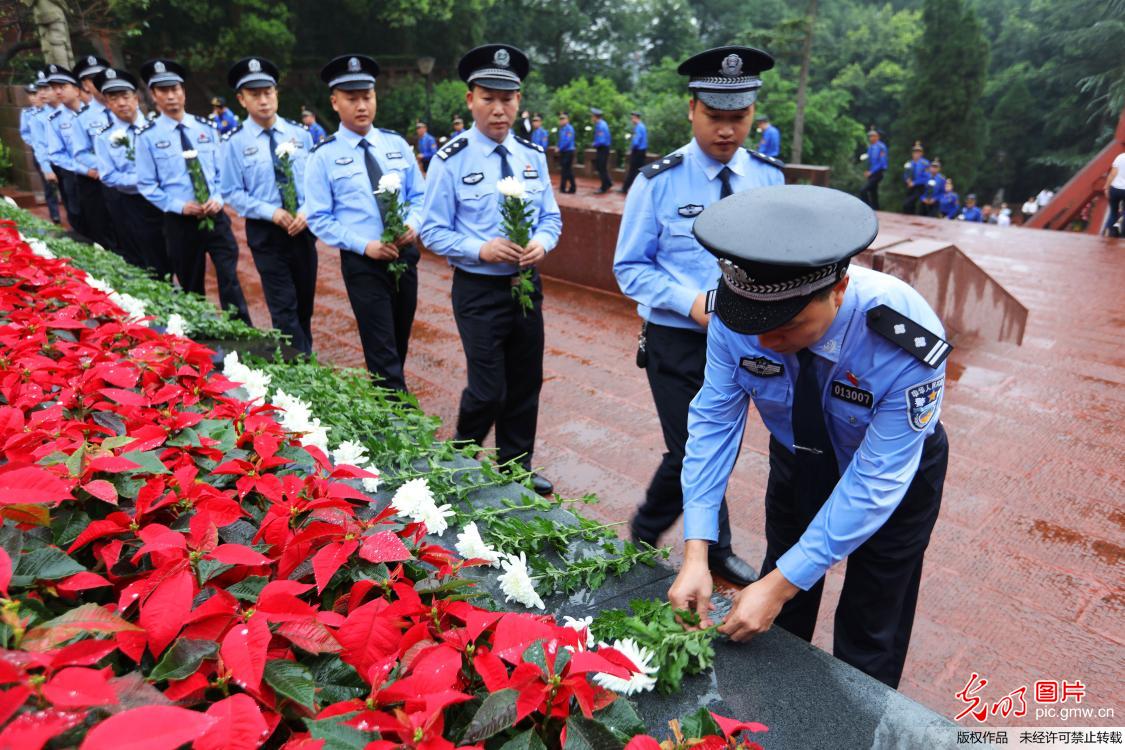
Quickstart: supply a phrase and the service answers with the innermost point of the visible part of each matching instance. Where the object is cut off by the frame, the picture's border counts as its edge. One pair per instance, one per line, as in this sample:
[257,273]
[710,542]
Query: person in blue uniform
[222,118]
[539,135]
[65,139]
[316,130]
[846,369]
[935,187]
[770,145]
[254,179]
[458,128]
[971,211]
[566,149]
[32,123]
[345,211]
[915,174]
[139,224]
[876,168]
[163,149]
[93,115]
[502,339]
[638,149]
[97,114]
[427,144]
[601,143]
[949,204]
[659,265]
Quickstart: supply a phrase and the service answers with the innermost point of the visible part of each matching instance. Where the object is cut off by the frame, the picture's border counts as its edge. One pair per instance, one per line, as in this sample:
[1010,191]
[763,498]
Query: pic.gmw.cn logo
[1050,697]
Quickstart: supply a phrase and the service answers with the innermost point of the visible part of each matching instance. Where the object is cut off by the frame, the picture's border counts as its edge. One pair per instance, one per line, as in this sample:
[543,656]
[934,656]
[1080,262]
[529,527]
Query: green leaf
[528,740]
[587,734]
[622,718]
[149,461]
[44,564]
[497,713]
[335,680]
[183,658]
[292,680]
[338,736]
[248,589]
[68,523]
[700,724]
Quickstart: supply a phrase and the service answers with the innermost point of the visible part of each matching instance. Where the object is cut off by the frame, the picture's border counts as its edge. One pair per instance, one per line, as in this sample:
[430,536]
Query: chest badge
[204,138]
[852,394]
[249,150]
[344,160]
[394,154]
[762,367]
[690,210]
[163,144]
[530,173]
[472,178]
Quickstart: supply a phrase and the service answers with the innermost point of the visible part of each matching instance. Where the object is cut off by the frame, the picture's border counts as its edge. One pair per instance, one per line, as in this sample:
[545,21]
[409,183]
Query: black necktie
[108,118]
[816,471]
[724,178]
[185,142]
[505,167]
[374,173]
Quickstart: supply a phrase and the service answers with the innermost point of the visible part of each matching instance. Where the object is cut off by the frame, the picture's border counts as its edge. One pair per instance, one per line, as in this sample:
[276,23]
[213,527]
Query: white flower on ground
[516,582]
[256,383]
[176,325]
[390,183]
[10,202]
[435,517]
[133,307]
[288,148]
[415,500]
[641,681]
[510,187]
[371,484]
[470,546]
[39,247]
[98,284]
[316,435]
[351,453]
[582,625]
[191,154]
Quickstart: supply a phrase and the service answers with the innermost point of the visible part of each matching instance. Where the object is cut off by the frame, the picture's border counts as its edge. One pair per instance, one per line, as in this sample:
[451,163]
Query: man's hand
[297,225]
[191,208]
[699,310]
[282,218]
[867,173]
[52,177]
[212,207]
[501,250]
[692,588]
[409,237]
[534,253]
[92,174]
[377,250]
[910,183]
[757,606]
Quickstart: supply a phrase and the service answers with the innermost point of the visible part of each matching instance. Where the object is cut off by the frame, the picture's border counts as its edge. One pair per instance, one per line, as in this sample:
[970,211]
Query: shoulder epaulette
[662,164]
[295,124]
[922,344]
[82,109]
[390,132]
[529,144]
[147,126]
[327,140]
[226,136]
[771,160]
[104,128]
[451,148]
[203,121]
[55,114]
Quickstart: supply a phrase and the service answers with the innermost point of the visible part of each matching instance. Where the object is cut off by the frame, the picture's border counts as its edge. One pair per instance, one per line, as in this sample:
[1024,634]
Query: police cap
[90,65]
[500,67]
[162,72]
[30,88]
[350,73]
[595,111]
[778,247]
[115,79]
[726,77]
[253,73]
[59,74]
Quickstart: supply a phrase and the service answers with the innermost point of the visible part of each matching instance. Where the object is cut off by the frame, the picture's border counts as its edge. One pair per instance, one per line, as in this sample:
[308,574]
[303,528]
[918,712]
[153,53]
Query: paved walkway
[1024,577]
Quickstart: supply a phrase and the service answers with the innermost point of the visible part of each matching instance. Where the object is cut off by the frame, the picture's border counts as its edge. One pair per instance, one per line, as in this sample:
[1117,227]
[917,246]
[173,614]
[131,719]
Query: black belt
[501,281]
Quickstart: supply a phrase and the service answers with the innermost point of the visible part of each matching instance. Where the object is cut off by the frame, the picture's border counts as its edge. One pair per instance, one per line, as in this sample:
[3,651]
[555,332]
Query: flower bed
[181,564]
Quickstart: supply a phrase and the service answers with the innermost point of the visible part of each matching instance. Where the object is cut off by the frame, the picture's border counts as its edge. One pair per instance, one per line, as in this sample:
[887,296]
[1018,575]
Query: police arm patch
[922,402]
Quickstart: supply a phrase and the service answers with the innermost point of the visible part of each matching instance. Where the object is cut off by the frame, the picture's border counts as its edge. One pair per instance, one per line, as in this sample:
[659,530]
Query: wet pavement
[1025,575]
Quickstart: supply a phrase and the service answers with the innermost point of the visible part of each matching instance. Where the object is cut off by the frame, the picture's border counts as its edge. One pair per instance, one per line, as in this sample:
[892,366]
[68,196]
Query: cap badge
[353,65]
[502,58]
[54,68]
[111,73]
[732,66]
[255,66]
[91,60]
[159,67]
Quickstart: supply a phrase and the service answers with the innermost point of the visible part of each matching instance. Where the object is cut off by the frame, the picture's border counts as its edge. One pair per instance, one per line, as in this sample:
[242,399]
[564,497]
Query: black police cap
[162,72]
[350,73]
[726,77]
[253,73]
[778,247]
[115,79]
[501,67]
[59,74]
[90,65]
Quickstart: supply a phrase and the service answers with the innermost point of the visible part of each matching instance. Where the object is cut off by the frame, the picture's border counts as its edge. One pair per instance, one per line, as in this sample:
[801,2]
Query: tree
[803,84]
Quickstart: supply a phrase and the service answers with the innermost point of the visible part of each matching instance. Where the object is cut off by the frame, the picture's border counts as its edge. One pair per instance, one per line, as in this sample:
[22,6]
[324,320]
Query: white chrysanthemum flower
[581,624]
[510,187]
[415,500]
[190,154]
[641,681]
[371,484]
[98,284]
[288,148]
[10,202]
[435,517]
[316,435]
[39,247]
[296,415]
[516,582]
[119,137]
[391,182]
[176,325]
[470,546]
[256,383]
[133,307]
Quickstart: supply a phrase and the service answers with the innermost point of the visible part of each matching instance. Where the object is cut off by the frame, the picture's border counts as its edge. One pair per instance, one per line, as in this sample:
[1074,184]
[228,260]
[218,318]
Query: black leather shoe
[732,569]
[541,485]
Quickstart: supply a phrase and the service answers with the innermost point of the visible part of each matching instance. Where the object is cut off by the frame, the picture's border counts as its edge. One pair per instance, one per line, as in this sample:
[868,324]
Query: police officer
[846,370]
[164,147]
[971,211]
[935,187]
[503,341]
[770,145]
[255,177]
[97,114]
[539,135]
[138,223]
[316,130]
[341,181]
[32,124]
[915,173]
[660,265]
[65,138]
[602,142]
[458,128]
[93,116]
[876,168]
[566,150]
[638,148]
[949,204]
[222,119]
[427,144]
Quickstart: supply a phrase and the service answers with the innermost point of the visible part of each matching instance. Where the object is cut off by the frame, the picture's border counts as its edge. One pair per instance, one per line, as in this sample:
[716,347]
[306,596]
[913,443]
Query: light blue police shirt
[115,168]
[878,447]
[248,179]
[40,135]
[65,138]
[162,173]
[658,262]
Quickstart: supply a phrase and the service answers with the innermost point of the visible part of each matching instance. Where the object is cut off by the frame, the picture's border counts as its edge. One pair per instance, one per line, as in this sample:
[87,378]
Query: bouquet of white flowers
[120,138]
[515,216]
[389,193]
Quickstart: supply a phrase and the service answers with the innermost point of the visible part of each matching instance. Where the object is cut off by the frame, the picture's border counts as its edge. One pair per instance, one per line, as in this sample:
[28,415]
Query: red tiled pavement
[1024,576]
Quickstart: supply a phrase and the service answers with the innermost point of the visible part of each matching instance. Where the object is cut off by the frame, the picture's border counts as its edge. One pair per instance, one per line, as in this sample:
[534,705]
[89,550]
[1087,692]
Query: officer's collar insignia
[344,160]
[761,366]
[922,402]
[691,209]
[732,66]
[472,178]
[254,66]
[830,346]
[502,59]
[353,65]
[394,154]
[159,68]
[111,73]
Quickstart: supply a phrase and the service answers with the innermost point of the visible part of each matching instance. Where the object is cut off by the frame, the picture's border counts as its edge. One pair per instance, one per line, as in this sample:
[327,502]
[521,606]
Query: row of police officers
[743,284]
